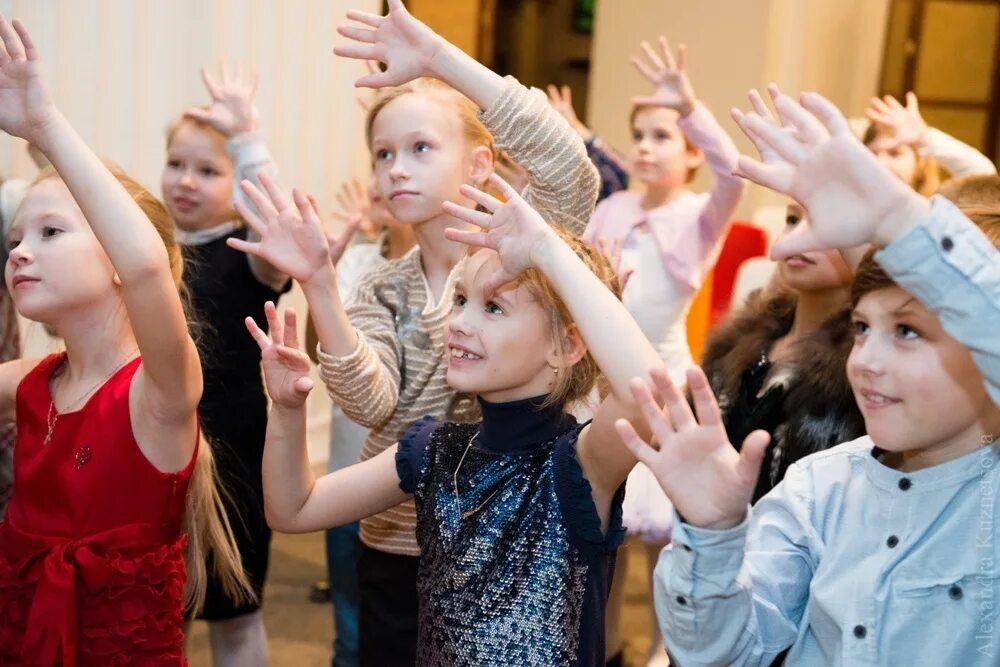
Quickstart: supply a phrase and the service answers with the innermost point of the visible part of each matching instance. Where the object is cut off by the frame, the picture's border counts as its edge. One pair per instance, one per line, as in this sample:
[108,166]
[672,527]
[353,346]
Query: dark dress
[233,407]
[517,572]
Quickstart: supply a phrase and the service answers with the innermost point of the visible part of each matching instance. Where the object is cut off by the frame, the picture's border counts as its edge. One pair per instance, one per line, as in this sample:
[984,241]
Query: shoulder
[831,468]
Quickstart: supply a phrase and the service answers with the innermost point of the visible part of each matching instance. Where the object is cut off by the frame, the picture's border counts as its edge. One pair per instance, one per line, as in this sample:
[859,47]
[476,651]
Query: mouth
[798,260]
[872,400]
[458,353]
[184,204]
[396,194]
[17,281]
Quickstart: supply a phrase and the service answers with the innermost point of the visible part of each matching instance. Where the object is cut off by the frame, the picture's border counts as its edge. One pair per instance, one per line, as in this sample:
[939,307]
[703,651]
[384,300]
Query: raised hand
[816,159]
[25,106]
[561,100]
[669,76]
[906,124]
[355,208]
[512,228]
[613,252]
[404,44]
[706,479]
[286,367]
[292,238]
[232,111]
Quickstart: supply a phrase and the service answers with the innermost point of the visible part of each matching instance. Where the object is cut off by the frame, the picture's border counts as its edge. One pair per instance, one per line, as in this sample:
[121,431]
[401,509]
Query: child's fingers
[11,41]
[210,85]
[257,333]
[273,191]
[358,51]
[306,208]
[658,421]
[893,103]
[499,279]
[880,106]
[827,113]
[380,80]
[911,102]
[484,199]
[639,448]
[369,19]
[752,455]
[646,71]
[653,57]
[668,53]
[291,337]
[303,385]
[260,201]
[358,34]
[801,240]
[30,49]
[705,406]
[567,95]
[553,94]
[274,323]
[244,246]
[808,128]
[251,217]
[372,67]
[681,57]
[775,177]
[474,239]
[778,139]
[760,106]
[199,114]
[505,188]
[472,216]
[673,400]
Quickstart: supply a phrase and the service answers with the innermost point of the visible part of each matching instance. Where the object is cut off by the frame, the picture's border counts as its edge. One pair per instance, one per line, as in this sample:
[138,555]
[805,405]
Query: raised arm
[294,501]
[563,184]
[234,115]
[170,377]
[523,240]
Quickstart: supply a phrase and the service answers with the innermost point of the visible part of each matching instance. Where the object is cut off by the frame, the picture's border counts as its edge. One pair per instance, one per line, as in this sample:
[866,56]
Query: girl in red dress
[112,492]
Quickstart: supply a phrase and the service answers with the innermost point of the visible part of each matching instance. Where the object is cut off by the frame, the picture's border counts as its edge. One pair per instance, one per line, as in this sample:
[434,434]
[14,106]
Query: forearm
[959,158]
[467,75]
[337,336]
[287,475]
[124,231]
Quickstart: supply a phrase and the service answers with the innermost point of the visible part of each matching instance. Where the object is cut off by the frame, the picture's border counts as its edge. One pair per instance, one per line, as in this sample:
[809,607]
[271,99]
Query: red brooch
[82,457]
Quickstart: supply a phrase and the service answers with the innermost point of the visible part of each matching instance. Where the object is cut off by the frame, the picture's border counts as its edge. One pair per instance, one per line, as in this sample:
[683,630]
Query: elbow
[283,522]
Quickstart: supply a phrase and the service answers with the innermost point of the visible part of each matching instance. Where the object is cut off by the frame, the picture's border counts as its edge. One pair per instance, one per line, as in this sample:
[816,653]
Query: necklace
[52,417]
[458,502]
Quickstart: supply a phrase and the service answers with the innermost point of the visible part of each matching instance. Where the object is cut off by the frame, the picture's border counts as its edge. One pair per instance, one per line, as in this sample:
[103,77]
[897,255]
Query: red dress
[92,547]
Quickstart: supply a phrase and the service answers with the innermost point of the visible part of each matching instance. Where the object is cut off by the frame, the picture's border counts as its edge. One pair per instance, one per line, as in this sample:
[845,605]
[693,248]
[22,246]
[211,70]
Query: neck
[96,344]
[661,194]
[520,425]
[400,239]
[814,308]
[438,255]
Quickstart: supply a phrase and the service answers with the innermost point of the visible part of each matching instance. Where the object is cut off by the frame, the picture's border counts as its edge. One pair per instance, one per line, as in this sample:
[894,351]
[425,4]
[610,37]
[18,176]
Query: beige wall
[122,69]
[456,20]
[832,46]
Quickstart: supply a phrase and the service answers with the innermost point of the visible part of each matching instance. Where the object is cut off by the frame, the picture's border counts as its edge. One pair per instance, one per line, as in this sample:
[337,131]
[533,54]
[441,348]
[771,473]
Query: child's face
[500,349]
[660,155]
[197,179]
[918,389]
[899,159]
[56,263]
[422,157]
[812,272]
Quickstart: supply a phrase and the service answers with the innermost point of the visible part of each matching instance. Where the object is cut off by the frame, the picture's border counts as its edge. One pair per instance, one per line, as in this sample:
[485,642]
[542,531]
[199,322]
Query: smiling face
[921,394]
[812,272]
[422,155]
[660,155]
[56,264]
[500,348]
[197,180]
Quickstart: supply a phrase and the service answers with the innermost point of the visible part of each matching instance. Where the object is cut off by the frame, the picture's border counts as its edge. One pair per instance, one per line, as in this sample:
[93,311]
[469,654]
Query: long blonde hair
[207,526]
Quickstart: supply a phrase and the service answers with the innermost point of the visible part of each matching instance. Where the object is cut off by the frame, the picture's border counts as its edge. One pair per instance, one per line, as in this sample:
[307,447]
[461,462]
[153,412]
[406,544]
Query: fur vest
[804,400]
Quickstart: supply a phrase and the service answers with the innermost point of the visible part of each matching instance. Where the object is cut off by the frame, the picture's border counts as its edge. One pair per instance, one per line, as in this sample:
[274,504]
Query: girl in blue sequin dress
[518,516]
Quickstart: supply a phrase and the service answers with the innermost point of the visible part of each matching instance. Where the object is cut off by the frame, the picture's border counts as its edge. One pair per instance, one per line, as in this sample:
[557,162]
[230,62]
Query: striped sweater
[397,372]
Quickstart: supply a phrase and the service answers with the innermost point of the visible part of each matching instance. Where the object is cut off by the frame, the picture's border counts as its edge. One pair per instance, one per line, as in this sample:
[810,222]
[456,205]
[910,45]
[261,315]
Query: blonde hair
[575,385]
[468,112]
[926,176]
[205,521]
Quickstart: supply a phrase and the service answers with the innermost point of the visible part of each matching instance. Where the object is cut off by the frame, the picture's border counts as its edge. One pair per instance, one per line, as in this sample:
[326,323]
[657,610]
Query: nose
[867,356]
[398,170]
[460,323]
[186,179]
[20,255]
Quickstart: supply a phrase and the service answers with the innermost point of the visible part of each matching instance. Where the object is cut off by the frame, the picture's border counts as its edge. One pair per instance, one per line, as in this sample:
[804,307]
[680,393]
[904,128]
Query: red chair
[744,240]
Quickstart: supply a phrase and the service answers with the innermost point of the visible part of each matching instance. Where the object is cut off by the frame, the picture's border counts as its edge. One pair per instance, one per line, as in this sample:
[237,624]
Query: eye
[907,332]
[660,135]
[458,301]
[792,219]
[493,309]
[636,136]
[860,328]
[174,164]
[382,154]
[50,231]
[12,243]
[421,147]
[209,171]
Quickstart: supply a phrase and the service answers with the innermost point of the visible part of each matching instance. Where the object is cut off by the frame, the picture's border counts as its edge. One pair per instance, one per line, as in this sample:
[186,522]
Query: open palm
[232,111]
[669,76]
[512,228]
[708,481]
[292,238]
[286,367]
[403,43]
[25,105]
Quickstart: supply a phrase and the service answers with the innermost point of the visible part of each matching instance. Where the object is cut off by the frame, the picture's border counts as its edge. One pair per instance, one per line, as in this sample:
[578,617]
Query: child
[777,363]
[208,150]
[519,515]
[85,578]
[669,239]
[869,549]
[901,139]
[383,357]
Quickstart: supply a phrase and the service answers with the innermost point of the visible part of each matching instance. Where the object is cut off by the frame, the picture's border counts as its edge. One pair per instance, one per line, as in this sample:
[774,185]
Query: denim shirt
[954,269]
[848,562]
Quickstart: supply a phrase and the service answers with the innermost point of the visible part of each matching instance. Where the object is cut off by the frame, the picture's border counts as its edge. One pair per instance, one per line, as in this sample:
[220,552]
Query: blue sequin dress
[523,579]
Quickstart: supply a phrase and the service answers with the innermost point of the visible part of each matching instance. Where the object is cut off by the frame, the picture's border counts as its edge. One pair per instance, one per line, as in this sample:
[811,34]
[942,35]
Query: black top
[523,577]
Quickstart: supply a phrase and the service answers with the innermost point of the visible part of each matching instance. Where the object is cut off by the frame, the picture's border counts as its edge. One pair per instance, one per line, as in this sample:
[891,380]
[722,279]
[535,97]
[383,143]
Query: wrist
[686,107]
[441,58]
[546,249]
[902,216]
[48,133]
[322,283]
[725,523]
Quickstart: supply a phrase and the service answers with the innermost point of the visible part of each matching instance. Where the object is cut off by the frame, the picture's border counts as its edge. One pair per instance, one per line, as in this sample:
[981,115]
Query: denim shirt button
[860,631]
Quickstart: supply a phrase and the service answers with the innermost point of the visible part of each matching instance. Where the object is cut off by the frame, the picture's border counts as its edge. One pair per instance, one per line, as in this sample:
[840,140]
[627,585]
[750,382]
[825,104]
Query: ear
[116,280]
[694,157]
[573,350]
[481,165]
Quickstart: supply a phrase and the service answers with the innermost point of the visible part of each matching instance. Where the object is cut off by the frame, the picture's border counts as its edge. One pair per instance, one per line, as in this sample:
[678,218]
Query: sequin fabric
[504,586]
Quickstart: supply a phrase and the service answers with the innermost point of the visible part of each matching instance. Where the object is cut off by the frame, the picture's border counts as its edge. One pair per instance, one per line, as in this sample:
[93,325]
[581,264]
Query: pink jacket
[689,229]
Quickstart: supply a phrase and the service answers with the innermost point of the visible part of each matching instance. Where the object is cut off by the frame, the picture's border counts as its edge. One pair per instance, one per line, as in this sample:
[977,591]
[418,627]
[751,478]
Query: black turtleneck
[519,425]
